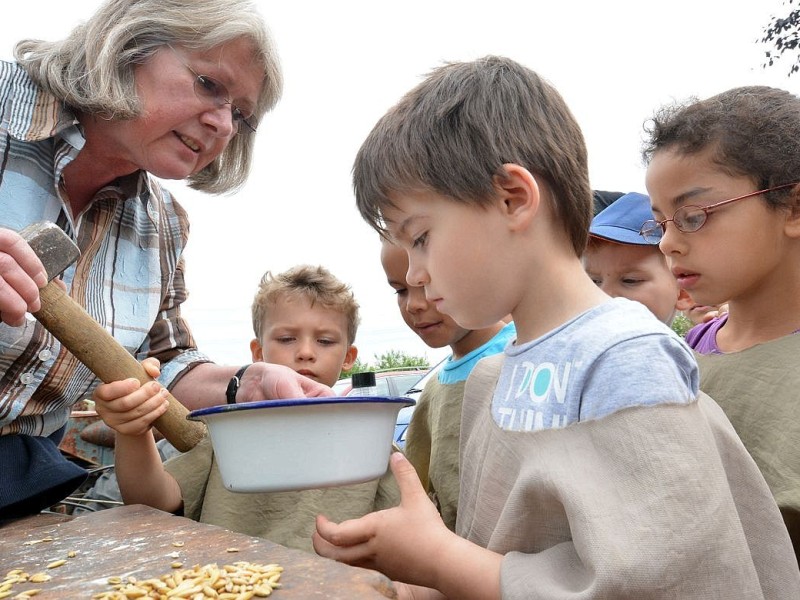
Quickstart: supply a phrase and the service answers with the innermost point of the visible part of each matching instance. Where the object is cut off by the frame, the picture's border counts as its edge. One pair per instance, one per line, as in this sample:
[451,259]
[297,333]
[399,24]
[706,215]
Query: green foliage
[681,325]
[389,361]
[394,359]
[783,35]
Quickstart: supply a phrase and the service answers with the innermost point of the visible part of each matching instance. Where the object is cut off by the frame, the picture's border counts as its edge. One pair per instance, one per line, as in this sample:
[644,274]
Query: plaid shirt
[129,276]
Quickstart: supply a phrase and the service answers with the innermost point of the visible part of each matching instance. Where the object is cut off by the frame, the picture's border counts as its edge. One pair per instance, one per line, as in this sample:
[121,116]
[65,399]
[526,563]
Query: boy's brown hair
[753,131]
[453,133]
[315,283]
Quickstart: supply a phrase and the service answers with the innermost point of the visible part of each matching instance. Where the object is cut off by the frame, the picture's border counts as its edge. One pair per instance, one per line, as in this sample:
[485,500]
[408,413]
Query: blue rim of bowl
[223,408]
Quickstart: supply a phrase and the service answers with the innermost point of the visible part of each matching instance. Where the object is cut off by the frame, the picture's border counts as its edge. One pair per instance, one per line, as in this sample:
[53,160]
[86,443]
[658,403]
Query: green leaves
[784,35]
[389,361]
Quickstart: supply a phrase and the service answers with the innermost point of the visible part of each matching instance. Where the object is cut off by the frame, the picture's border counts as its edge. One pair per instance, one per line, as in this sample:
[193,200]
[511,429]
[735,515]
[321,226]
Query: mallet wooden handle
[91,344]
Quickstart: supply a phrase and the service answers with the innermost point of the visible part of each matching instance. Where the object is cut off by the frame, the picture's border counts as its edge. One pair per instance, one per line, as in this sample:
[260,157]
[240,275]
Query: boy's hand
[403,542]
[129,407]
[415,592]
[713,314]
[267,381]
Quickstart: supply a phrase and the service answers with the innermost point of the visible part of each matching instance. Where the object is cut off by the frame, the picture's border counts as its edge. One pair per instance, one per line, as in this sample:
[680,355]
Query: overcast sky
[346,62]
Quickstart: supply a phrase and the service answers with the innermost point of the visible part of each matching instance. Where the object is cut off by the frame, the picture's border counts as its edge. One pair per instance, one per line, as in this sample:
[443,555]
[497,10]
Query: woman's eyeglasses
[209,89]
[689,219]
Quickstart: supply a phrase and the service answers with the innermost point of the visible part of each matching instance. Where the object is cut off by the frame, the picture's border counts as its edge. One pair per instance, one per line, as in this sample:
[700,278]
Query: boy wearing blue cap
[622,263]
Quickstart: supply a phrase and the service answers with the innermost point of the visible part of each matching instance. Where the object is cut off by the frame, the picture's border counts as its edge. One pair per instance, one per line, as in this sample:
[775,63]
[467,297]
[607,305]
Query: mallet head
[53,247]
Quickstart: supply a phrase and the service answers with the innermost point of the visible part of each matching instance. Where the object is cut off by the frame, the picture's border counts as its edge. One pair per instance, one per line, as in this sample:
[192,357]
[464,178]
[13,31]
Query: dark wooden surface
[138,541]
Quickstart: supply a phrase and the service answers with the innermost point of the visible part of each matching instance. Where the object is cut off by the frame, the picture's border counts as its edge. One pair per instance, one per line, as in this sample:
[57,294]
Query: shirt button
[26,378]
[45,355]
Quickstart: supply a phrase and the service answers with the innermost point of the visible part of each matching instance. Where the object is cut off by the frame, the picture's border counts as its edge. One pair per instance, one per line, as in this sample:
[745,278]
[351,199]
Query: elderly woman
[145,89]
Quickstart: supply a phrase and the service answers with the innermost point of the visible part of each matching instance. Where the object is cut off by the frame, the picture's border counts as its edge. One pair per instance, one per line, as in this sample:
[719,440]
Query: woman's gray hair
[92,70]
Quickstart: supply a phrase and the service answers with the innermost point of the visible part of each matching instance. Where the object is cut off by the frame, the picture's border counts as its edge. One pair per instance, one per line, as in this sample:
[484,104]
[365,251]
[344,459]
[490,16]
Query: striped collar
[33,115]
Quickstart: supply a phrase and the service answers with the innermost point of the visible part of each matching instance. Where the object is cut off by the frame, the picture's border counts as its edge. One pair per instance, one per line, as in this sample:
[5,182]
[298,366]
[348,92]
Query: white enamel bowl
[278,445]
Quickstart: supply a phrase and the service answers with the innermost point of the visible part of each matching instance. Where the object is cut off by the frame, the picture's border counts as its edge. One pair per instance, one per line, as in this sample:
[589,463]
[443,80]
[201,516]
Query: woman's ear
[519,194]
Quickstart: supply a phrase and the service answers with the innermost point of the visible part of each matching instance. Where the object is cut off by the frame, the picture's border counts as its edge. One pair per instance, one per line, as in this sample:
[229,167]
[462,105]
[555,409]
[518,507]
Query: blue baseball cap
[621,220]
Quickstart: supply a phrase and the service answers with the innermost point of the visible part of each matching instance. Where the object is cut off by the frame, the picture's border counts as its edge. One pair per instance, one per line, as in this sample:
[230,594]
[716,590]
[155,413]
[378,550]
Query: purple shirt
[702,338]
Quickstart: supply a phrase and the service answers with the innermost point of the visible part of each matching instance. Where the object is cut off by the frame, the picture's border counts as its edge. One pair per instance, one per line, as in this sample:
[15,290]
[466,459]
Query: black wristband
[233,385]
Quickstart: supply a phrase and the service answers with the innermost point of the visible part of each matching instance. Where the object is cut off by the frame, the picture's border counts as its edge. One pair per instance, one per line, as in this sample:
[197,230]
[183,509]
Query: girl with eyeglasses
[723,181]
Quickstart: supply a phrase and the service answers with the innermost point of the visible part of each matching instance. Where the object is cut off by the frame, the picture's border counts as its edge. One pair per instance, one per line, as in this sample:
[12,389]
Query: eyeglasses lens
[689,218]
[213,91]
[651,231]
[208,89]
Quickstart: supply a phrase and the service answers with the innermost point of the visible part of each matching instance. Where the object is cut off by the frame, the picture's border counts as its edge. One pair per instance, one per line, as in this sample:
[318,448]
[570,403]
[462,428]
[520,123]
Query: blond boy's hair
[315,283]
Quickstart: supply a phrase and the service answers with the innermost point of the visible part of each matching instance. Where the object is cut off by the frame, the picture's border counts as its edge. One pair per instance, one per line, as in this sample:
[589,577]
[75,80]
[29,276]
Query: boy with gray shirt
[635,485]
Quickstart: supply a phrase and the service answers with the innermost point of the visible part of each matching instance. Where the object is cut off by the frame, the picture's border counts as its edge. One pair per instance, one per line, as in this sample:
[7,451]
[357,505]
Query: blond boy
[303,318]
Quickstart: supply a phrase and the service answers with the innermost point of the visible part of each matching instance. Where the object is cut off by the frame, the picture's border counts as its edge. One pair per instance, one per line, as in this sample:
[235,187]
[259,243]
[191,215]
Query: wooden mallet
[87,340]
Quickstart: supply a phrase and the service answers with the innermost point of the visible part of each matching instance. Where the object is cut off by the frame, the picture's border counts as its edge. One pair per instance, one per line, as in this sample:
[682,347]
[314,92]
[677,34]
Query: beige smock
[759,390]
[286,518]
[649,502]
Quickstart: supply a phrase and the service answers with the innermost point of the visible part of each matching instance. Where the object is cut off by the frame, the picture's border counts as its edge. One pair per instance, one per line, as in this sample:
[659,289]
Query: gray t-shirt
[573,373]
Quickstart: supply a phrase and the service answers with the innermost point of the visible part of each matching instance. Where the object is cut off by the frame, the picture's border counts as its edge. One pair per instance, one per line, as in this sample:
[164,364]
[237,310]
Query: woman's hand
[267,381]
[21,276]
[129,407]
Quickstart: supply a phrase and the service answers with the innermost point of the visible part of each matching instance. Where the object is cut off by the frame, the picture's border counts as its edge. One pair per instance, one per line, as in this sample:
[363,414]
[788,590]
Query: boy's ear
[256,350]
[519,193]
[685,301]
[350,358]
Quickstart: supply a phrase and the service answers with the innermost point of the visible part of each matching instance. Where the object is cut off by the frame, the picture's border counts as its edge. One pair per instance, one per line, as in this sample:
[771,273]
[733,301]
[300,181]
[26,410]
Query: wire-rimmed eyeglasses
[209,89]
[689,219]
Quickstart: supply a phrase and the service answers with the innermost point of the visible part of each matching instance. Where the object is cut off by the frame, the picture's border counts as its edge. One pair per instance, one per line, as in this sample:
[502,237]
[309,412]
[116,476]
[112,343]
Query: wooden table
[138,541]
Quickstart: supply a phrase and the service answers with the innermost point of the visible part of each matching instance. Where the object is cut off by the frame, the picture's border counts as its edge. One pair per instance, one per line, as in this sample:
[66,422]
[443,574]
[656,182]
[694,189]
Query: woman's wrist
[234,384]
